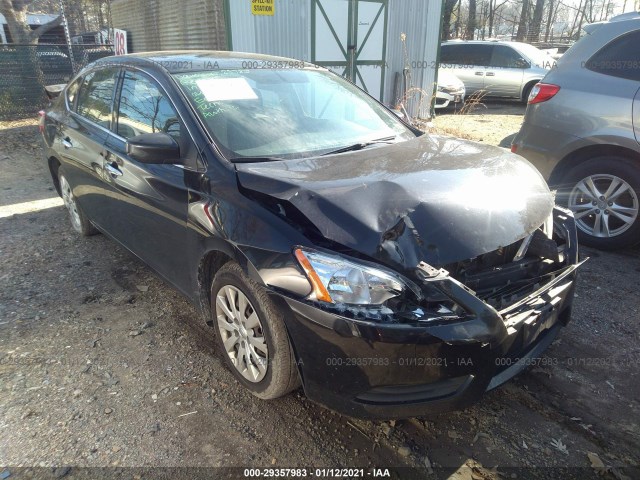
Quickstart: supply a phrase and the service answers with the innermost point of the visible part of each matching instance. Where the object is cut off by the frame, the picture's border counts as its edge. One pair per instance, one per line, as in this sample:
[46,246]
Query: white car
[450,91]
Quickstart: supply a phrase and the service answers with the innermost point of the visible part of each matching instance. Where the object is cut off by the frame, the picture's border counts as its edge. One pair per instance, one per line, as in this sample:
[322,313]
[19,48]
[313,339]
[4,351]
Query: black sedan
[328,244]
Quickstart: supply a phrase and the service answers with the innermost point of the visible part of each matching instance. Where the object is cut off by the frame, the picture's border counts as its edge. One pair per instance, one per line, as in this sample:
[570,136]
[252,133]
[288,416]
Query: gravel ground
[102,364]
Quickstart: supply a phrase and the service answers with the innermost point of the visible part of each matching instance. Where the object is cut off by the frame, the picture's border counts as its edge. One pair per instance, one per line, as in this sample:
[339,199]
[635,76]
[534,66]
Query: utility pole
[67,36]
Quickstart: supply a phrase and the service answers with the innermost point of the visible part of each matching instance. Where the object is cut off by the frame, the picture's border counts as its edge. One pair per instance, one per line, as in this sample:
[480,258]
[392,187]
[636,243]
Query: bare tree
[449,6]
[15,13]
[533,34]
[472,22]
[524,18]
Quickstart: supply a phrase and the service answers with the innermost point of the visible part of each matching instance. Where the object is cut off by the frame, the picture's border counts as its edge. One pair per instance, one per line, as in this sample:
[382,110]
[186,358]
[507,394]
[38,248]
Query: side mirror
[153,148]
[54,91]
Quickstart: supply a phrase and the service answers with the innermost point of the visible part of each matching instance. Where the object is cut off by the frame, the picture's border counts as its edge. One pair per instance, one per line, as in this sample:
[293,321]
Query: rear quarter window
[619,58]
[466,54]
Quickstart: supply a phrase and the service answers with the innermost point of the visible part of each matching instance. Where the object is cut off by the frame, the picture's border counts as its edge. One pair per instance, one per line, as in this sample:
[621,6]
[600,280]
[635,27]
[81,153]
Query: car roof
[177,61]
[483,42]
[620,22]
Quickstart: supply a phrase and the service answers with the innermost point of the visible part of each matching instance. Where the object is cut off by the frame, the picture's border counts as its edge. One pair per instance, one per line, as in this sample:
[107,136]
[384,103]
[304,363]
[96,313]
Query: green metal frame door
[350,37]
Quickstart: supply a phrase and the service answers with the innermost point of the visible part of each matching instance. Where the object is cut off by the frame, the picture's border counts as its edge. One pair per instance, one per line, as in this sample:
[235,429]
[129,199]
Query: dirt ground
[493,121]
[102,364]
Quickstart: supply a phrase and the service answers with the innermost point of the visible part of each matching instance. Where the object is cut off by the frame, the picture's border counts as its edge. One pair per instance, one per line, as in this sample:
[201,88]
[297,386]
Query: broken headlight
[337,280]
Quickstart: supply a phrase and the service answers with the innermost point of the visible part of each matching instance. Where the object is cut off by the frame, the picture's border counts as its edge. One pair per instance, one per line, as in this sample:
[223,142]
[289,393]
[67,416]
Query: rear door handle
[480,74]
[66,143]
[113,170]
[490,74]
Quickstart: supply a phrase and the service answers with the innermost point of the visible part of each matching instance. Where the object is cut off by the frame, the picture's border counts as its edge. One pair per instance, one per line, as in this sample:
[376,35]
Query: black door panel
[145,208]
[82,140]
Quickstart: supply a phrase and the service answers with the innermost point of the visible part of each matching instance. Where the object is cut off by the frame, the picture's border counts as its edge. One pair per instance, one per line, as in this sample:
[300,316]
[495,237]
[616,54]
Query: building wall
[420,21]
[170,25]
[286,34]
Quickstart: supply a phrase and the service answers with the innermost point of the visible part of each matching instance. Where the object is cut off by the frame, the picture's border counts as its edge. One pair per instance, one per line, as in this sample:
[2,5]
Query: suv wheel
[604,194]
[251,335]
[79,220]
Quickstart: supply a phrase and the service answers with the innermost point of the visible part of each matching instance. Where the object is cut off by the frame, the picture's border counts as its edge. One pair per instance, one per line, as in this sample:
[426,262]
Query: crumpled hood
[434,199]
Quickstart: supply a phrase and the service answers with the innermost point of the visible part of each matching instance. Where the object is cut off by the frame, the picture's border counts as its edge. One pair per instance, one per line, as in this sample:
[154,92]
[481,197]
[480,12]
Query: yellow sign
[262,7]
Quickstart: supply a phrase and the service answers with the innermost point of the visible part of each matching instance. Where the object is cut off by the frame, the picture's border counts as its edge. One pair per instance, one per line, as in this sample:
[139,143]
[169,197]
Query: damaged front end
[433,269]
[472,325]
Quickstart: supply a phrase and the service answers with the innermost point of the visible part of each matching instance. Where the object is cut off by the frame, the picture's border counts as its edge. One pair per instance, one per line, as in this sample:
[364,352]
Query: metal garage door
[349,36]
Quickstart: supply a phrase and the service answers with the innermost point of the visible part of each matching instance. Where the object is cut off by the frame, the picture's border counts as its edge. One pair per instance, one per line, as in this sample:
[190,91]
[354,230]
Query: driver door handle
[113,169]
[490,74]
[66,143]
[480,74]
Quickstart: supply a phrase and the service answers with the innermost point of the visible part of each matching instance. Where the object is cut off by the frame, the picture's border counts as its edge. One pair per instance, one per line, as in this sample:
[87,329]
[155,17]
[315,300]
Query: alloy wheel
[242,333]
[603,205]
[70,202]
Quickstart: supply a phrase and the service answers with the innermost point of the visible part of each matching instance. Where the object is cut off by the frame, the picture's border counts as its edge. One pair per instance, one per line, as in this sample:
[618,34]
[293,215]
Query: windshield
[538,57]
[286,113]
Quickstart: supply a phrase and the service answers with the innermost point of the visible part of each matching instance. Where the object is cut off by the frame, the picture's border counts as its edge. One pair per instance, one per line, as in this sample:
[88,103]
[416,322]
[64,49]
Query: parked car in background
[582,129]
[327,243]
[450,91]
[53,61]
[498,68]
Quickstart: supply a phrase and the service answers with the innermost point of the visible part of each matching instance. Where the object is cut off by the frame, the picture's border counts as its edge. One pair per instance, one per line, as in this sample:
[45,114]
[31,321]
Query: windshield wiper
[255,159]
[361,145]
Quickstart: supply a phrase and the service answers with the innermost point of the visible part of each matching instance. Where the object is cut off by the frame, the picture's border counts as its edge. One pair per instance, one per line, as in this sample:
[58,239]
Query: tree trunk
[534,32]
[492,12]
[549,20]
[522,25]
[471,23]
[449,5]
[15,14]
[30,73]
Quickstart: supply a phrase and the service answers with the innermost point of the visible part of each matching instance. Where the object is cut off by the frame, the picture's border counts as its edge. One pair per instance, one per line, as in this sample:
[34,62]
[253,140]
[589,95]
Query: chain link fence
[26,69]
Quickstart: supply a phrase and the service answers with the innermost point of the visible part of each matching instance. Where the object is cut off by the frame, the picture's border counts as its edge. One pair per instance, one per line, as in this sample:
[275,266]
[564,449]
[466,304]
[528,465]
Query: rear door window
[619,58]
[95,99]
[469,54]
[450,54]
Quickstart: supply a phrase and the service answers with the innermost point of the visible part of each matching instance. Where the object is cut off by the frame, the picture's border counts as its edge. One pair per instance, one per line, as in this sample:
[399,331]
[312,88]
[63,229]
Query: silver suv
[582,128]
[500,69]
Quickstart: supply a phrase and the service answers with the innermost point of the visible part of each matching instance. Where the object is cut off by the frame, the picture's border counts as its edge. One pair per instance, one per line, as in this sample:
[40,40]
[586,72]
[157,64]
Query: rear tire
[604,194]
[79,220]
[251,336]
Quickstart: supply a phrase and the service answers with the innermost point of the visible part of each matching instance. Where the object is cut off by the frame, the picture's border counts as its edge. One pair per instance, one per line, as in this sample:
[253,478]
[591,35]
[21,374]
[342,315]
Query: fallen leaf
[558,445]
[427,465]
[595,461]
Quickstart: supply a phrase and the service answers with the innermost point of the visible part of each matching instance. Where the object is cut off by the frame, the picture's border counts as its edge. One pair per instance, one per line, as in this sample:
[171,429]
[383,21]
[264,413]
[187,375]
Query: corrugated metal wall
[166,25]
[287,33]
[420,21]
[170,25]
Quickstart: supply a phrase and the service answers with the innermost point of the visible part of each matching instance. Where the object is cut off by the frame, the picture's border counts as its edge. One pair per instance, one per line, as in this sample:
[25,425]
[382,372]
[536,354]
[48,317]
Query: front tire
[251,336]
[604,195]
[79,220]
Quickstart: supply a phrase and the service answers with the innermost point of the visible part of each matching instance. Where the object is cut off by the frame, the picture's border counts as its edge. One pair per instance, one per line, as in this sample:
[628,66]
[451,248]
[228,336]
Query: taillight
[514,148]
[43,115]
[541,92]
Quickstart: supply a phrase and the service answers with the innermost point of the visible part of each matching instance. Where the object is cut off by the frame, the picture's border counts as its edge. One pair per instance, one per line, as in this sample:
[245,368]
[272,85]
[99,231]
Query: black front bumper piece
[371,369]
